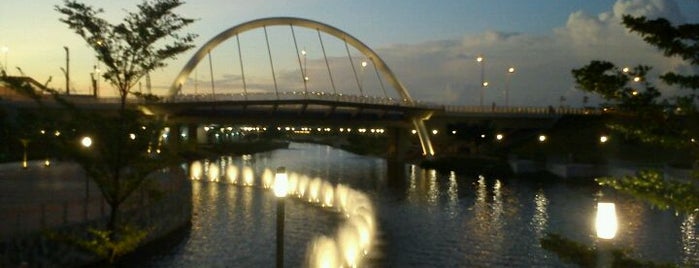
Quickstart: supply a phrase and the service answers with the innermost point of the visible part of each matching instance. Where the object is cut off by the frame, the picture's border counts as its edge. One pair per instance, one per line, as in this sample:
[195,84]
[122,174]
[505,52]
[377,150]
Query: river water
[425,219]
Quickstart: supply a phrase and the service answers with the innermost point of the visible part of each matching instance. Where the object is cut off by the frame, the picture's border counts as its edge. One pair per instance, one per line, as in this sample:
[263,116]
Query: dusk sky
[430,45]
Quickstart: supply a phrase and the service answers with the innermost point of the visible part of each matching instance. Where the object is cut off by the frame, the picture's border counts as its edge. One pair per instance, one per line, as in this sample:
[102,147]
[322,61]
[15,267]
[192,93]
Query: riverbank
[45,207]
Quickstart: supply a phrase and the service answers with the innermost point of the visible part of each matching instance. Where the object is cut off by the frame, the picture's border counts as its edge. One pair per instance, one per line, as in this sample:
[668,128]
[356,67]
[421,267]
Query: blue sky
[430,45]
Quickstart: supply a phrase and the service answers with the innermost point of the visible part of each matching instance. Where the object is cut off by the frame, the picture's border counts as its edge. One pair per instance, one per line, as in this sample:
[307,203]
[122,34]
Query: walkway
[41,197]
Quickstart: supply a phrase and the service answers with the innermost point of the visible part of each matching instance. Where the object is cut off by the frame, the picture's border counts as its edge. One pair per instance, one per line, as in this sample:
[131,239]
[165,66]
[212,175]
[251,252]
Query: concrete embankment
[58,199]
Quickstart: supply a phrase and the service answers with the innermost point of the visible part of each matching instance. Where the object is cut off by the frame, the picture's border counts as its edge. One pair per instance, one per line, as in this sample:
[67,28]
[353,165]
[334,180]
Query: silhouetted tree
[127,145]
[640,112]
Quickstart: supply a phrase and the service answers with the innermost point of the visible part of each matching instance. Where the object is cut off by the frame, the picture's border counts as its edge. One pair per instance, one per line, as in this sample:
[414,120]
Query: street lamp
[280,188]
[95,80]
[25,143]
[481,62]
[86,142]
[4,50]
[509,73]
[305,66]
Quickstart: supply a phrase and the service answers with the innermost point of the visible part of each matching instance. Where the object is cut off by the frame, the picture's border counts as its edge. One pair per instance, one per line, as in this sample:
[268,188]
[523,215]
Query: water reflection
[540,218]
[347,247]
[425,219]
[690,242]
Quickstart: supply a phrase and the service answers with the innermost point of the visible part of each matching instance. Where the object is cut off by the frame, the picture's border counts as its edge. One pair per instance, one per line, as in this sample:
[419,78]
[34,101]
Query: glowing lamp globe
[606,221]
[86,142]
[281,182]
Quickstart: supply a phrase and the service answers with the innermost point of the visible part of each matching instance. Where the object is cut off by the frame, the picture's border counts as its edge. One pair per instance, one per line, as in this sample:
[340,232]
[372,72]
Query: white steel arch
[279,21]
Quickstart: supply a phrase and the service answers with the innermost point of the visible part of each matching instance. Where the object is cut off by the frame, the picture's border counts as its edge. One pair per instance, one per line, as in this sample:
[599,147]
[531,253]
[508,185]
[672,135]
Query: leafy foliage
[650,186]
[641,115]
[103,243]
[133,48]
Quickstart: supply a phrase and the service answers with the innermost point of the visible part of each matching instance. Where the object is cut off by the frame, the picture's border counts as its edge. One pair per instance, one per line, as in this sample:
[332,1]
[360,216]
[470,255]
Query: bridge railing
[521,110]
[291,95]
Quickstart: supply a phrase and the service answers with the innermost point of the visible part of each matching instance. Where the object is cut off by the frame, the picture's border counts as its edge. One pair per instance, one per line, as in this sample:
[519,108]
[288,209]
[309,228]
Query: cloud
[446,71]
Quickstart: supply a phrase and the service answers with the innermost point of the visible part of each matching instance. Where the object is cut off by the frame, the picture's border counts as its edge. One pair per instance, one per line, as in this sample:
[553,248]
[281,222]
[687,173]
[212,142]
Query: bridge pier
[399,144]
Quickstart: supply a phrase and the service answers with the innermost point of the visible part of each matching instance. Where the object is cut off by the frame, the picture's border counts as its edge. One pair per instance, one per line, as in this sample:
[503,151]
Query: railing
[292,95]
[325,96]
[522,110]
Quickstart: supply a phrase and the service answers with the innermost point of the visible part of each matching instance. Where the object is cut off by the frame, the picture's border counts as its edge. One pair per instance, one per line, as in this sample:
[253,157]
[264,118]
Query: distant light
[480,59]
[281,182]
[511,70]
[364,63]
[57,133]
[413,131]
[625,70]
[86,142]
[603,139]
[206,128]
[606,221]
[637,79]
[132,136]
[634,92]
[485,84]
[43,131]
[453,132]
[499,137]
[434,132]
[542,138]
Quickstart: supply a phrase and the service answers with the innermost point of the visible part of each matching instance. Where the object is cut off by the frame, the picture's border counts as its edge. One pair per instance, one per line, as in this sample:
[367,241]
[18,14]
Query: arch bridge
[321,91]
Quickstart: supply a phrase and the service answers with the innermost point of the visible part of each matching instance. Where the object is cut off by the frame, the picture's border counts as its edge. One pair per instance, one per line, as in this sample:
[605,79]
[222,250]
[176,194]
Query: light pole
[4,50]
[481,62]
[280,188]
[509,73]
[25,143]
[67,70]
[95,80]
[86,142]
[305,69]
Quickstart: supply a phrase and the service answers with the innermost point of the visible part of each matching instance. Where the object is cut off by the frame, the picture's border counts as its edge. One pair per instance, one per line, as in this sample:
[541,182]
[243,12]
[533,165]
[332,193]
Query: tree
[127,145]
[641,113]
[135,47]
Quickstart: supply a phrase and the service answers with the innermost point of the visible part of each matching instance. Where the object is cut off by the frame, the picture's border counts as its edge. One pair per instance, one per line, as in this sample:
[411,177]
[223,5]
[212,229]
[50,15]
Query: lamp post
[4,50]
[25,143]
[67,71]
[606,226]
[509,73]
[95,80]
[280,188]
[86,142]
[305,68]
[481,62]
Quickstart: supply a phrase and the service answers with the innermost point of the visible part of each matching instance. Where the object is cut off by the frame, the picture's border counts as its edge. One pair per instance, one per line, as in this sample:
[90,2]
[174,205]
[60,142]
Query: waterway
[425,219]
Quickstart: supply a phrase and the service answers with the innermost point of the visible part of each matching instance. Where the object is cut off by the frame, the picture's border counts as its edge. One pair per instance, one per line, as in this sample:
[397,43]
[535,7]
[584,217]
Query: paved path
[40,196]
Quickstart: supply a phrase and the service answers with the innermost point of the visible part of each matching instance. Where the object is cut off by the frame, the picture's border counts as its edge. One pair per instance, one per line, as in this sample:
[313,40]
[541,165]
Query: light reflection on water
[425,219]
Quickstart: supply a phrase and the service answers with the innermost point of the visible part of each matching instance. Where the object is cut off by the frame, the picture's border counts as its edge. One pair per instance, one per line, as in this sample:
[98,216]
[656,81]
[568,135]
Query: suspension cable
[327,64]
[242,70]
[211,72]
[303,71]
[354,70]
[271,64]
[379,78]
